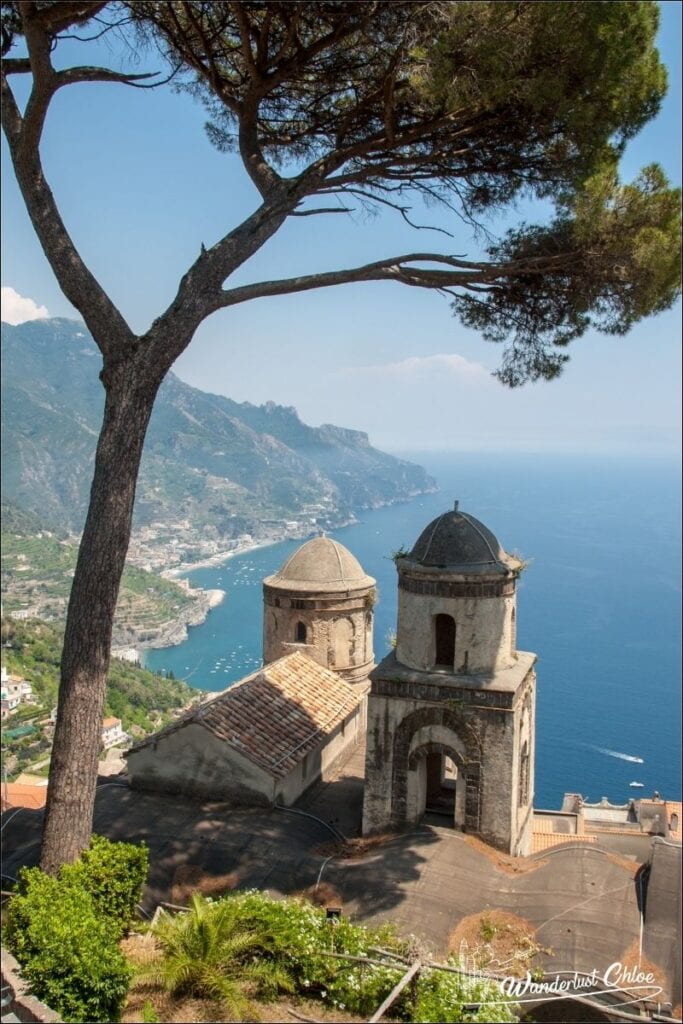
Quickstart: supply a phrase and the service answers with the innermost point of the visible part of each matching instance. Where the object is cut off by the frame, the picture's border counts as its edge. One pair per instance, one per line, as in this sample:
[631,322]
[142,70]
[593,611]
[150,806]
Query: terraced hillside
[36,576]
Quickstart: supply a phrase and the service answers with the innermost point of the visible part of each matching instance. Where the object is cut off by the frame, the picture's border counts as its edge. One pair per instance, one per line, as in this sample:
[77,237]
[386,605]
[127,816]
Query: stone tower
[320,603]
[451,711]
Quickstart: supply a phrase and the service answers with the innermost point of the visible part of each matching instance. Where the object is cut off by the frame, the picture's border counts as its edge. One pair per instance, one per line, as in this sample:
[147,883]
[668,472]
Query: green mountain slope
[222,465]
[37,569]
[32,650]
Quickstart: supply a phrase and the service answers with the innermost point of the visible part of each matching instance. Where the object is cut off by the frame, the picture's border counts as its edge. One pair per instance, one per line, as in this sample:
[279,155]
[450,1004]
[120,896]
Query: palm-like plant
[209,953]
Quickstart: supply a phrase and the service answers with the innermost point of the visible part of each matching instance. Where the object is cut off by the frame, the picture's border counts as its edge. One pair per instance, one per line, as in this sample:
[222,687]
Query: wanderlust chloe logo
[615,979]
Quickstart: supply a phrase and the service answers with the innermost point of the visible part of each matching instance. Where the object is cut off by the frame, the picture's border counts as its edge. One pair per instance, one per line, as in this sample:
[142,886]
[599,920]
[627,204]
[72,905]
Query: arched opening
[436,786]
[300,633]
[441,788]
[444,636]
[433,730]
[673,824]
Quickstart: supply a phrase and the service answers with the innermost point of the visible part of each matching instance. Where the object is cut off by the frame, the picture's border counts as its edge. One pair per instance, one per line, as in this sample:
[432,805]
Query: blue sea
[600,603]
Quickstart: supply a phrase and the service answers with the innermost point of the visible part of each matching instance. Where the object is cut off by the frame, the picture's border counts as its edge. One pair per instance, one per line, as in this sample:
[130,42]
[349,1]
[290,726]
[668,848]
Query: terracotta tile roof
[15,794]
[108,723]
[545,840]
[277,715]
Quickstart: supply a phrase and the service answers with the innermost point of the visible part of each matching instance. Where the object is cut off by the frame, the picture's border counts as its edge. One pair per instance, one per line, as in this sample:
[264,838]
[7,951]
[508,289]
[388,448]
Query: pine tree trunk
[130,394]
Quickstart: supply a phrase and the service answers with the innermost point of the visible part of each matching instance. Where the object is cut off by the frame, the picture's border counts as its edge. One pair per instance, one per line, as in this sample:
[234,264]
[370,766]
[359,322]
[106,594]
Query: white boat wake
[622,757]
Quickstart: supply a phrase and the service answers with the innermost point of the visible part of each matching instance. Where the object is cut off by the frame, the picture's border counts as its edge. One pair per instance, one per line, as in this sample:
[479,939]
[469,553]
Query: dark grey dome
[456,540]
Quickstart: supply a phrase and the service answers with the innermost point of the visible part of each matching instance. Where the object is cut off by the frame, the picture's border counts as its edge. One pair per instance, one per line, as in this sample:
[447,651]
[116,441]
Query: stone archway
[404,789]
[428,789]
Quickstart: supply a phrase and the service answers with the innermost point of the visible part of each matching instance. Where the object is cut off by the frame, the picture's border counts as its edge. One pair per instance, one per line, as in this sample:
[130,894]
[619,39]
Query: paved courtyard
[582,901]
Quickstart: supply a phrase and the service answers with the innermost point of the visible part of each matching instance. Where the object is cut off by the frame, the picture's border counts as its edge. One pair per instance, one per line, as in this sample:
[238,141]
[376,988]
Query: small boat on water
[637,785]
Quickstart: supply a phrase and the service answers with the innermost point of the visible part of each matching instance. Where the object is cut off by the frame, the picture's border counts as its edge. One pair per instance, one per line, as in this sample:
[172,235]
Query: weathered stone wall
[338,629]
[192,761]
[484,627]
[524,758]
[484,740]
[23,1005]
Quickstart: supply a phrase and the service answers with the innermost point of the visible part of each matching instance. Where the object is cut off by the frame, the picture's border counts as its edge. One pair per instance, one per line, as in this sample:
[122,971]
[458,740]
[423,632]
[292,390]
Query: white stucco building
[263,741]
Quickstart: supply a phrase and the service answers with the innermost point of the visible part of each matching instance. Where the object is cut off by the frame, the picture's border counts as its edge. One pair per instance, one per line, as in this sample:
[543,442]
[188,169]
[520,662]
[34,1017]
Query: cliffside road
[581,901]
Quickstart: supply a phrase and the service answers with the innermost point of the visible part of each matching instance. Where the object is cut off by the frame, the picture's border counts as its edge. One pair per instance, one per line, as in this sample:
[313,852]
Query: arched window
[444,634]
[673,824]
[300,633]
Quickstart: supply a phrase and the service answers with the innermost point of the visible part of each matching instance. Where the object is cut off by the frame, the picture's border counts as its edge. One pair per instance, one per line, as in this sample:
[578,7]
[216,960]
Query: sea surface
[600,603]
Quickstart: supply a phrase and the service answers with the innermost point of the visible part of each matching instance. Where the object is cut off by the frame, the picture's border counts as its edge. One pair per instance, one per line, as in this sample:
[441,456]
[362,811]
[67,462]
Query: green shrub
[210,953]
[445,997]
[294,934]
[113,874]
[68,952]
[246,933]
[149,1014]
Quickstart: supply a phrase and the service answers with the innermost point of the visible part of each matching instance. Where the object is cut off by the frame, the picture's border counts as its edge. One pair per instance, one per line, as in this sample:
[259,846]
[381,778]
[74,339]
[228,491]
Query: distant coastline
[175,632]
[597,636]
[218,559]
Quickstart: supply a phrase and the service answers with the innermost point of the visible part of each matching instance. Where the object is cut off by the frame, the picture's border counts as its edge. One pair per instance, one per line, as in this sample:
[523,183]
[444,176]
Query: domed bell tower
[451,711]
[320,603]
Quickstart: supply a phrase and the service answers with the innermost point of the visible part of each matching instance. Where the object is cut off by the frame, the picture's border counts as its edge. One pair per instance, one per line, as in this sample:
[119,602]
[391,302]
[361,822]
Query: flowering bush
[297,934]
[298,937]
[443,998]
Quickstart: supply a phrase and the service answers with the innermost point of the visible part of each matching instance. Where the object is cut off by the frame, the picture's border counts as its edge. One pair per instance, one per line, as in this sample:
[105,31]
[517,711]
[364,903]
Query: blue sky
[140,189]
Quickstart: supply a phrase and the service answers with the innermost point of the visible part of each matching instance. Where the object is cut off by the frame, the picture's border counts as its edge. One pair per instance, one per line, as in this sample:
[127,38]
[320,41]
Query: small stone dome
[458,541]
[321,564]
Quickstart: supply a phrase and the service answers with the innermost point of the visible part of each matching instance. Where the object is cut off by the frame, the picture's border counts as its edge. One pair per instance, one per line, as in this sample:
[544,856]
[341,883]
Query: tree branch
[16,65]
[400,208]
[23,136]
[322,209]
[245,37]
[95,74]
[393,269]
[468,274]
[54,18]
[200,292]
